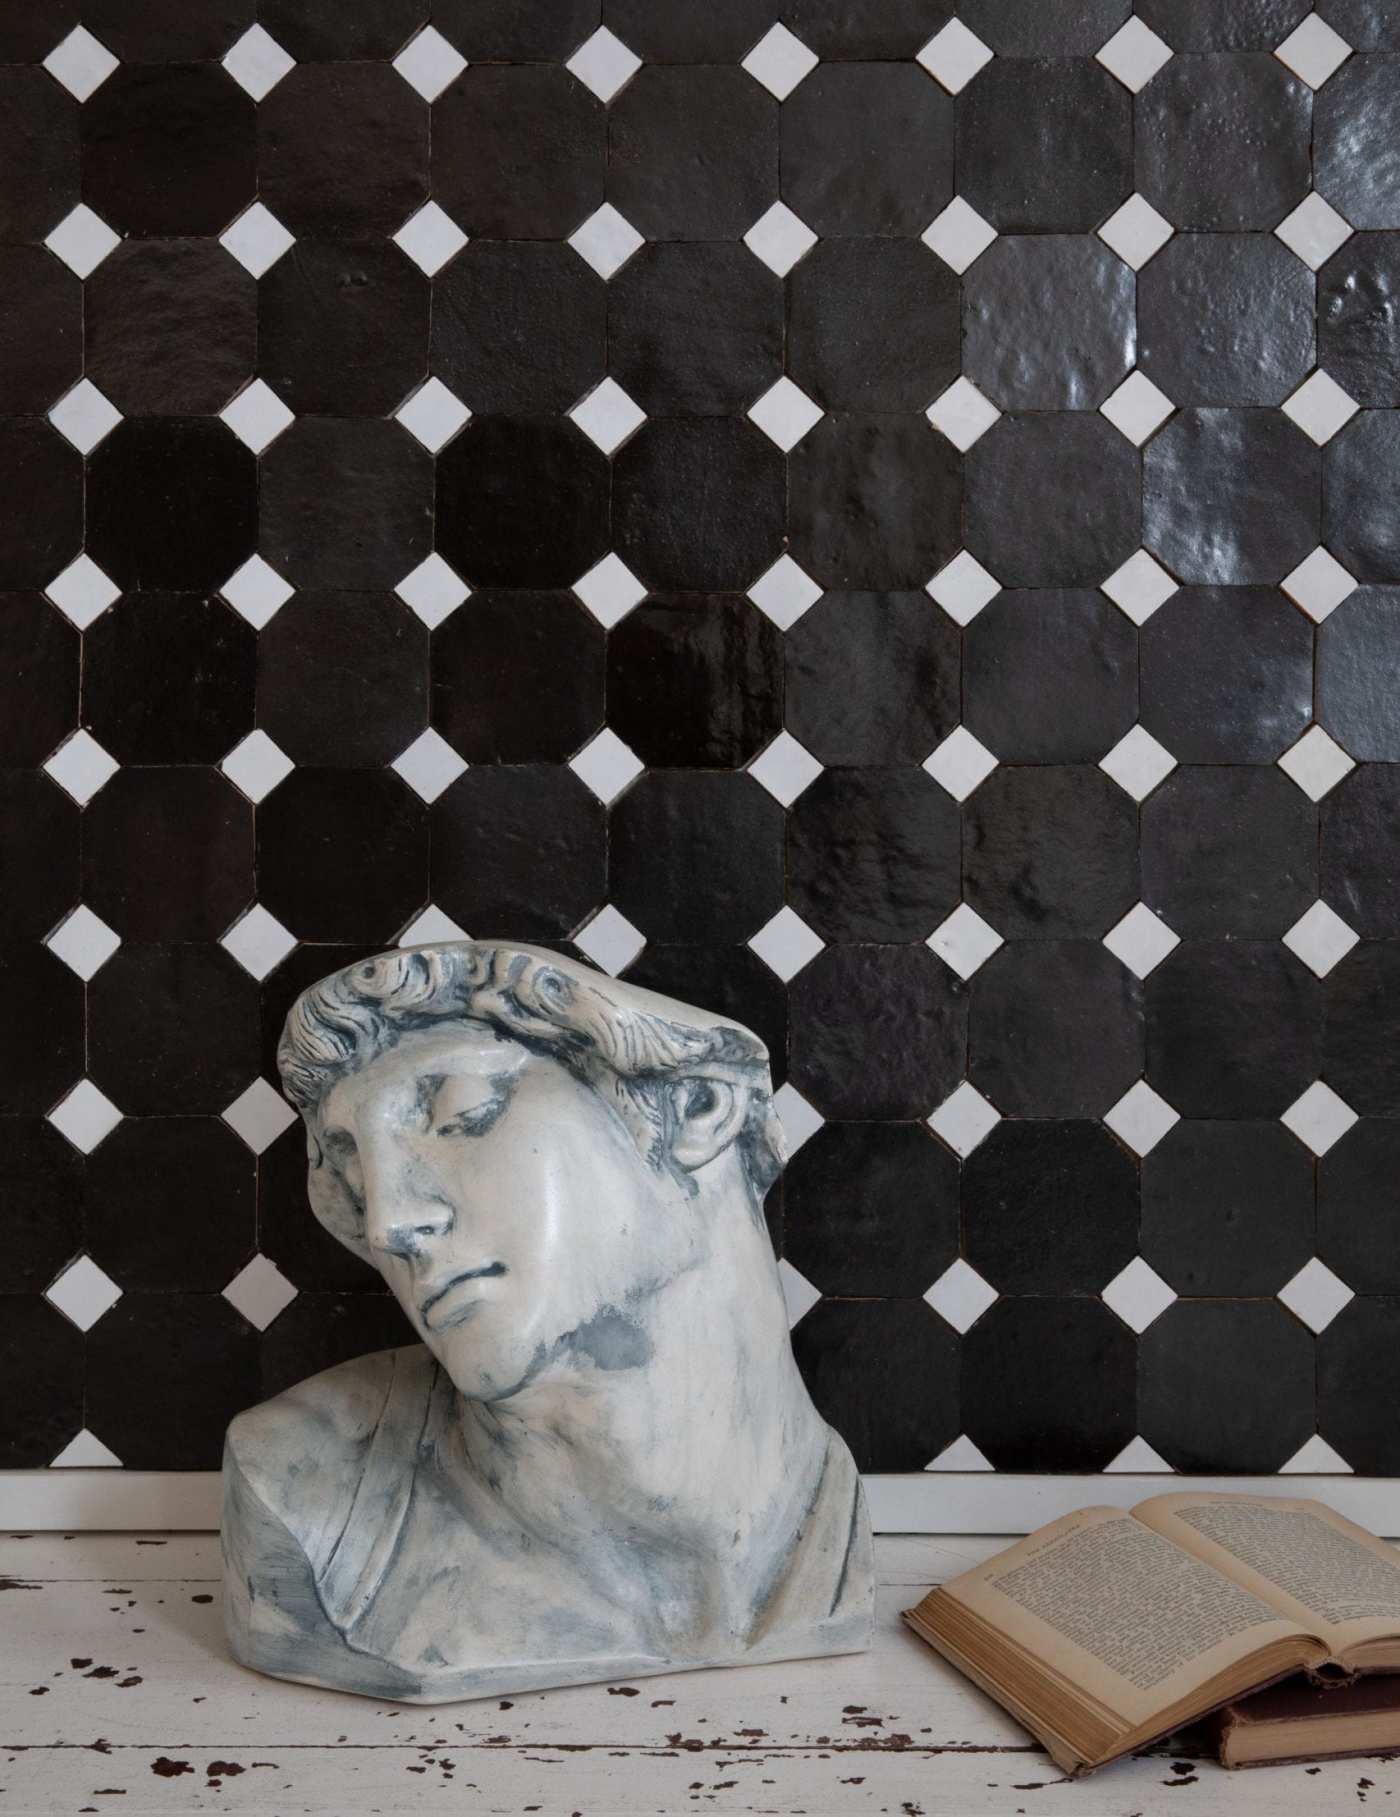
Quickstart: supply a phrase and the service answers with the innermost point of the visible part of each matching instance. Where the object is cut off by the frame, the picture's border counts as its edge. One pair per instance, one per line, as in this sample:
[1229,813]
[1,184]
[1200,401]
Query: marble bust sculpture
[600,1461]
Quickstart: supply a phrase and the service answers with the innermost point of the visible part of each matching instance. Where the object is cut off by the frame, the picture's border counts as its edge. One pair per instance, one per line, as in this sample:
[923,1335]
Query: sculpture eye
[464,1105]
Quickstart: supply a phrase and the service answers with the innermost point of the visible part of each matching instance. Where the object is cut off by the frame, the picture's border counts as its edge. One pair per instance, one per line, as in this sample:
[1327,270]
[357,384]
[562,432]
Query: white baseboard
[927,1502]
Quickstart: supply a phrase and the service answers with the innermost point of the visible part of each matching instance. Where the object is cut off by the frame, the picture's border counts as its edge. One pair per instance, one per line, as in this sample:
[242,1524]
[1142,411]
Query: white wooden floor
[116,1695]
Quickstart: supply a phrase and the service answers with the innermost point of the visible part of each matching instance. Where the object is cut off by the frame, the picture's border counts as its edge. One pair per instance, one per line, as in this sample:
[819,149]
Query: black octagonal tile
[169,148]
[871,678]
[695,680]
[323,31]
[343,854]
[38,135]
[172,1030]
[42,527]
[1361,1034]
[873,325]
[1231,497]
[696,855]
[1360,854]
[41,1038]
[343,150]
[692,153]
[37,1342]
[1233,1028]
[873,855]
[1365,24]
[1050,852]
[697,504]
[522,502]
[521,326]
[1229,852]
[1049,1207]
[1049,676]
[1224,24]
[1360,523]
[171,327]
[1358,1234]
[171,503]
[1222,141]
[885,1374]
[1045,146]
[1358,1378]
[40,1186]
[164,31]
[345,502]
[343,327]
[168,679]
[877,29]
[1049,1384]
[1227,1208]
[39,843]
[1026,28]
[496,31]
[518,677]
[1227,675]
[1055,1030]
[168,853]
[39,660]
[1053,500]
[874,501]
[689,34]
[170,1204]
[1358,319]
[1357,701]
[342,678]
[1266,1356]
[867,148]
[1048,322]
[871,1209]
[1356,141]
[518,152]
[41,330]
[1226,318]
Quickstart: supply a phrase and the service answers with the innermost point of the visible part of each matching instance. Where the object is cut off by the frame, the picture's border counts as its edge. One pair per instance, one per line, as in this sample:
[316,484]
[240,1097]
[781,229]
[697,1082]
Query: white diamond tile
[784,593]
[960,764]
[1141,1117]
[954,55]
[85,1451]
[428,63]
[606,240]
[786,943]
[964,941]
[962,1454]
[260,1291]
[1136,232]
[1139,587]
[83,1292]
[606,765]
[1320,407]
[256,765]
[1320,938]
[960,1295]
[258,941]
[610,940]
[430,927]
[430,237]
[81,766]
[799,1119]
[958,235]
[1137,763]
[610,590]
[257,416]
[1137,408]
[81,63]
[1138,1294]
[785,413]
[607,416]
[257,239]
[779,238]
[964,1119]
[603,64]
[963,588]
[780,60]
[432,592]
[799,1295]
[1134,54]
[1314,230]
[84,942]
[1141,940]
[257,62]
[1316,763]
[429,765]
[85,1117]
[82,592]
[962,414]
[1137,1458]
[83,416]
[1315,1458]
[256,591]
[1313,51]
[259,1115]
[785,769]
[1315,1295]
[433,415]
[1319,1118]
[82,240]
[1318,585]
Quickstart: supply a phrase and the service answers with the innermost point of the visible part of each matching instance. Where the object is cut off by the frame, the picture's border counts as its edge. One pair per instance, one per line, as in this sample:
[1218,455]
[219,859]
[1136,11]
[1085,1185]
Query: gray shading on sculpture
[601,1461]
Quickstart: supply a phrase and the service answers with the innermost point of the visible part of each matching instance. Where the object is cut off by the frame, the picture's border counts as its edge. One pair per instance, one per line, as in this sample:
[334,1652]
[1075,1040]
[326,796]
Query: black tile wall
[879,518]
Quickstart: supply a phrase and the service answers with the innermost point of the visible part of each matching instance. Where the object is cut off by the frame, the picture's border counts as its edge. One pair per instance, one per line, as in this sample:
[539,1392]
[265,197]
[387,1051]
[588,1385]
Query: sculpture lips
[435,1297]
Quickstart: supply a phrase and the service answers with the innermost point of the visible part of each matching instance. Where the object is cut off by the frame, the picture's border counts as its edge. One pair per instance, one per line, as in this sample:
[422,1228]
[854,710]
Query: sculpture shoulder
[302,1453]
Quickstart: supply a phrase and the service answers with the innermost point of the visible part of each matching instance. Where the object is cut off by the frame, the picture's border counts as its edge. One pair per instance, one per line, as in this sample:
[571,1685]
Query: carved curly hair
[627,1053]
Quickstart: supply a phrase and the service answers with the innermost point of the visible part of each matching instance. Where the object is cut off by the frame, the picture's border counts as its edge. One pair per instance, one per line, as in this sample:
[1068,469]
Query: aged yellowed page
[1118,1610]
[1322,1570]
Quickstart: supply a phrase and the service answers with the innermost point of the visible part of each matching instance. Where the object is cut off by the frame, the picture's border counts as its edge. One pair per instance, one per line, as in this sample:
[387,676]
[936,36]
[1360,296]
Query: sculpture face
[503,1201]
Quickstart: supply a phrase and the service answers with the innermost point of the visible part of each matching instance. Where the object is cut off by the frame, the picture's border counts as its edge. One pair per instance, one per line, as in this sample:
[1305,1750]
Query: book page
[1299,1555]
[1119,1611]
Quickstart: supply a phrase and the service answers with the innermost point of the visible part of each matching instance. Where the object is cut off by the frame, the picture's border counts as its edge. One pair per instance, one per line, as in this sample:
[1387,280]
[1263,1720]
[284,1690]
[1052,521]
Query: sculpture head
[527,1150]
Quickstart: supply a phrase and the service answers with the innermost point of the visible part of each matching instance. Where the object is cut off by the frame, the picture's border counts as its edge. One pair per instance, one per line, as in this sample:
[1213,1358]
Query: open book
[1106,1629]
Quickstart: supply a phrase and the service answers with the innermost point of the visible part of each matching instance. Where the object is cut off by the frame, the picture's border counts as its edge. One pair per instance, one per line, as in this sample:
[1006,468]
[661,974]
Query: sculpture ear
[706,1116]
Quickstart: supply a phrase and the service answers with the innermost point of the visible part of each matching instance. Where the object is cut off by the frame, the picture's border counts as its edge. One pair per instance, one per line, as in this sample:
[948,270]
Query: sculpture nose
[403,1211]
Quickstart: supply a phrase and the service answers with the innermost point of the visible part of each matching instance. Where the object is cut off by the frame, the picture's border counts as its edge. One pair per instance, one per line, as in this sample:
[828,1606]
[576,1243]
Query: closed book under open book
[1107,1629]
